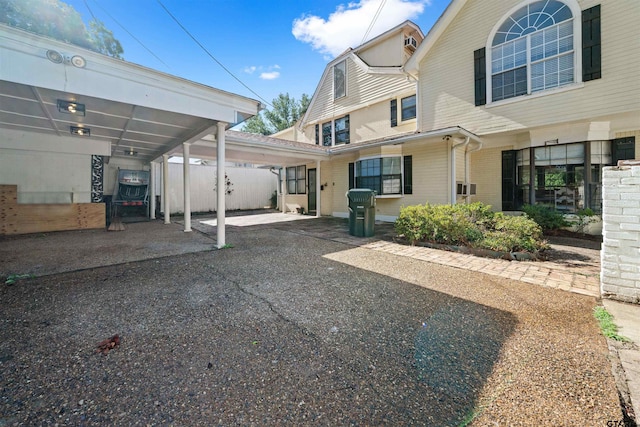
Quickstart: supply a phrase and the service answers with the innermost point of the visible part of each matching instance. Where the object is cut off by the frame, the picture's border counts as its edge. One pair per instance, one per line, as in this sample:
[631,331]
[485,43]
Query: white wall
[44,177]
[620,272]
[252,188]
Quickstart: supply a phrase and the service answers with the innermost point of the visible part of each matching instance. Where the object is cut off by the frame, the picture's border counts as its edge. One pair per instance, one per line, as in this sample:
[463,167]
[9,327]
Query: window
[342,130]
[564,177]
[296,180]
[382,174]
[394,113]
[533,50]
[339,79]
[336,132]
[408,106]
[326,134]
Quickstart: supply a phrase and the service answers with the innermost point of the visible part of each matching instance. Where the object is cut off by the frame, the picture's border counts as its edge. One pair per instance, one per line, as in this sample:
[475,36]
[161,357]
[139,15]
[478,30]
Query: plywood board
[18,218]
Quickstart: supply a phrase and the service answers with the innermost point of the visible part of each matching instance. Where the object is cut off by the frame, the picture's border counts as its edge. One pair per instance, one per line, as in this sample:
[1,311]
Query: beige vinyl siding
[326,195]
[485,169]
[362,89]
[447,74]
[339,183]
[388,53]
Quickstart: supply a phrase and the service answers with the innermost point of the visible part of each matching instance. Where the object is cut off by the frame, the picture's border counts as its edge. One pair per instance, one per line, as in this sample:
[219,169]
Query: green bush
[545,217]
[514,234]
[473,225]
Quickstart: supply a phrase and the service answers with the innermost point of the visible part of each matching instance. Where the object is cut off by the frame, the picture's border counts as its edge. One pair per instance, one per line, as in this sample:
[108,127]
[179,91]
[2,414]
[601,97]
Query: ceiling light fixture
[55,56]
[131,152]
[80,131]
[71,107]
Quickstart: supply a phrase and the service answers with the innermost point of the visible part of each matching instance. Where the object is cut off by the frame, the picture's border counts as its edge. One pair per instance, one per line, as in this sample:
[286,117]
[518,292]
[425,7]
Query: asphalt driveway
[290,329]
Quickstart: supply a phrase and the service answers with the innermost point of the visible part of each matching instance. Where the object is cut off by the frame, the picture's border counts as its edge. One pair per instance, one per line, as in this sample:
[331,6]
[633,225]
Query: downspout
[453,165]
[467,164]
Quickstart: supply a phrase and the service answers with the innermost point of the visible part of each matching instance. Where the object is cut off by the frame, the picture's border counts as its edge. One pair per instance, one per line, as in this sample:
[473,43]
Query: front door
[311,198]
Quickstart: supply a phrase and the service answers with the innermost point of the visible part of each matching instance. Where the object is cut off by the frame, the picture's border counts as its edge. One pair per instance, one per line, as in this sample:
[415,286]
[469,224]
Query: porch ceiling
[133,131]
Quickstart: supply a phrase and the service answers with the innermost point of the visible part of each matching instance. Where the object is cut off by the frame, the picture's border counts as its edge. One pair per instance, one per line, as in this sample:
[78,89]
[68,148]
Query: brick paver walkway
[582,279]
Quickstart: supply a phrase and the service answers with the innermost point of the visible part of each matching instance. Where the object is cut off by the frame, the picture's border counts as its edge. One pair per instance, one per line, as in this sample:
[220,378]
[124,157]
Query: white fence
[250,188]
[620,276]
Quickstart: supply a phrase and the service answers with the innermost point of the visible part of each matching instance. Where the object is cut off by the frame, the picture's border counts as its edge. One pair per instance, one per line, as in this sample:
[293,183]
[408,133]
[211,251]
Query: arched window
[533,50]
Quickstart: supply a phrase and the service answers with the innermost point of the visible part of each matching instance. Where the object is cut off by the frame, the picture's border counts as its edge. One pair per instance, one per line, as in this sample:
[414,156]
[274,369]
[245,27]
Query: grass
[13,278]
[608,328]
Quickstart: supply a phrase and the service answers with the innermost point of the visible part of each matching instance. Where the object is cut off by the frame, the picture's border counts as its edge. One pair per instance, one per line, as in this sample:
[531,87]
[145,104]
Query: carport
[67,113]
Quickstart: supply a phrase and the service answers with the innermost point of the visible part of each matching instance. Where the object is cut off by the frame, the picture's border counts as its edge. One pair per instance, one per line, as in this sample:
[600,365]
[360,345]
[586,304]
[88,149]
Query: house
[365,113]
[503,102]
[550,86]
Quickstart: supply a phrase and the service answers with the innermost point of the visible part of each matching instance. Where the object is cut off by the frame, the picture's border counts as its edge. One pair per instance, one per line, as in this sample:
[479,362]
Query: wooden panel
[40,218]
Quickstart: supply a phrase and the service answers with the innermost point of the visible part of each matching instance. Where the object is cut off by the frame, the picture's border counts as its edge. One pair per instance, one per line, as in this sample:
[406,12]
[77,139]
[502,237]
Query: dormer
[393,47]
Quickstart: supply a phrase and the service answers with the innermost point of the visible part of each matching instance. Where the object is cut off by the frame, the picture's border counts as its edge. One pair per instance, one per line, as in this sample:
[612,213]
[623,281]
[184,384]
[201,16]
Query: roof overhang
[257,149]
[134,110]
[414,137]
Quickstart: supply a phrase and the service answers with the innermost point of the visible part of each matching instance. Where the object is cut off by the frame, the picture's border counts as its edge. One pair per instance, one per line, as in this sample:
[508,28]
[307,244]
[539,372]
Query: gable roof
[352,53]
[413,64]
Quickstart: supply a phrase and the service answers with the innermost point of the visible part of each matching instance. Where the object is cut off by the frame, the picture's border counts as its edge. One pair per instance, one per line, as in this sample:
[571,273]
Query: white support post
[220,191]
[187,187]
[318,185]
[165,189]
[283,188]
[152,191]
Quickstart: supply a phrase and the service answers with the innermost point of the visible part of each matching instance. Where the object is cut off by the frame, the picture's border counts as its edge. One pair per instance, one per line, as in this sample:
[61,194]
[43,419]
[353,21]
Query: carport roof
[130,109]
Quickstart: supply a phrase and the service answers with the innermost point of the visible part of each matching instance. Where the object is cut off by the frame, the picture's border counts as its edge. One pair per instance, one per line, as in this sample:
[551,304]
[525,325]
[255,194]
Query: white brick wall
[620,272]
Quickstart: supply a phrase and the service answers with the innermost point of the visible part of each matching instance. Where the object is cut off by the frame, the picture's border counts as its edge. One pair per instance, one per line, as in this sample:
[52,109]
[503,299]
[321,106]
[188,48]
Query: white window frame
[577,55]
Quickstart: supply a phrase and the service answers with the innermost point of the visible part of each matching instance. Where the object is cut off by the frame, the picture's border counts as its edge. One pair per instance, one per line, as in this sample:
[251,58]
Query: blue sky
[273,47]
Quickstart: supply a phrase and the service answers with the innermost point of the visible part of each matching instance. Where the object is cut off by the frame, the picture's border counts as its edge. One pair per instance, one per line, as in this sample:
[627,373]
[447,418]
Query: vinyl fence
[247,188]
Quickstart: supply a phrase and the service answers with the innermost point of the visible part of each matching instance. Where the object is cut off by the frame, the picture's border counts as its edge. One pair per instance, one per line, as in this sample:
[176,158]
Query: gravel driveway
[288,329]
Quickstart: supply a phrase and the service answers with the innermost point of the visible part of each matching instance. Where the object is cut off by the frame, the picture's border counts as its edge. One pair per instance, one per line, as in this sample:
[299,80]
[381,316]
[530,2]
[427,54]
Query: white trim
[577,51]
[340,214]
[521,98]
[386,218]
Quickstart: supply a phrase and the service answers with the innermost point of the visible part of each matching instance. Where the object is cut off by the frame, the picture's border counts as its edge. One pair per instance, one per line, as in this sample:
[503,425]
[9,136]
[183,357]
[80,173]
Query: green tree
[285,113]
[58,20]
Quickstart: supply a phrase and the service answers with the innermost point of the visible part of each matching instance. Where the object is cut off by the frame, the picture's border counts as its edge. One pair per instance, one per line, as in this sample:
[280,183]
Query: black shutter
[591,51]
[480,76]
[509,180]
[346,128]
[394,112]
[317,134]
[408,172]
[352,175]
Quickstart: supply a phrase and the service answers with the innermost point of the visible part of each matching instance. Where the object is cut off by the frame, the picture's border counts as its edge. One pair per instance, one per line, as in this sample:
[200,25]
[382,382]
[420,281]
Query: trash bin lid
[361,195]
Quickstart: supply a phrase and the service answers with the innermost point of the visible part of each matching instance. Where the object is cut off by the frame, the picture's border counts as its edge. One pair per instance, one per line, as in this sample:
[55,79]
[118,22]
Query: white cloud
[348,24]
[251,69]
[270,75]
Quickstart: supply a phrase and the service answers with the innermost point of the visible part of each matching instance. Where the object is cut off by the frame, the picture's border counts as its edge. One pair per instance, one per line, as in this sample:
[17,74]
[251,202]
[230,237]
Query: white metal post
[152,191]
[165,188]
[187,187]
[220,189]
[318,195]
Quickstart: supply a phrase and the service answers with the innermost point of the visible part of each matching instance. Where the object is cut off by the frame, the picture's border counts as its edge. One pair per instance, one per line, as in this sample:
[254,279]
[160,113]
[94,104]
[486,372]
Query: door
[311,198]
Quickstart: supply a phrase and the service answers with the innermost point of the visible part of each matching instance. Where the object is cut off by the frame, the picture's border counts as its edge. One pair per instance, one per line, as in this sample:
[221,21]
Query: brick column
[620,254]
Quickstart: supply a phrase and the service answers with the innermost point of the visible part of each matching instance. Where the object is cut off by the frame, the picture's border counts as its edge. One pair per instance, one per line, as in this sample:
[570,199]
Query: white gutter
[456,130]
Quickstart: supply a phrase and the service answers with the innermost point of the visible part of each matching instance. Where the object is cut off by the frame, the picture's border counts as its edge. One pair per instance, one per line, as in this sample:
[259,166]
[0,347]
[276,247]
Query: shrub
[545,217]
[514,234]
[472,225]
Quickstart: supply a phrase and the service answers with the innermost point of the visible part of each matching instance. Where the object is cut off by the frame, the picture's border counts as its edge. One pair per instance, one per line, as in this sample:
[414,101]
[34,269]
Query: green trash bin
[362,212]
